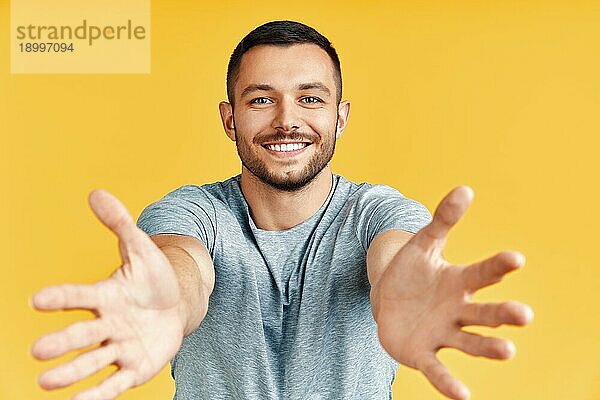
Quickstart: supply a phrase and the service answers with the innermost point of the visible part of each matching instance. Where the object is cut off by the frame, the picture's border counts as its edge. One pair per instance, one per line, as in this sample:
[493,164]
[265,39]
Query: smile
[286,150]
[285,147]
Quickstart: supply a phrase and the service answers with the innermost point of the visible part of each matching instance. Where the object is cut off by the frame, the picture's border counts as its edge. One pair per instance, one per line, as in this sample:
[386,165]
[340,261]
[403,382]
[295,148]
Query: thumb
[113,214]
[447,214]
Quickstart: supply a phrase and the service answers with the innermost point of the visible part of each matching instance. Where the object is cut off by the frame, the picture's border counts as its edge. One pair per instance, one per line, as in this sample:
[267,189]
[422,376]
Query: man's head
[281,33]
[284,112]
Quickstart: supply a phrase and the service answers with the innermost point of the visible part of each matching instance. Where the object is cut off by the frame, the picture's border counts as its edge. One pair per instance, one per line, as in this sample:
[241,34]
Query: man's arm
[421,302]
[382,250]
[195,273]
[143,310]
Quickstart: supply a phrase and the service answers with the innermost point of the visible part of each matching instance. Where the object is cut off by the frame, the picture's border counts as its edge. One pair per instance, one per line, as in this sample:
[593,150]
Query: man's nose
[287,117]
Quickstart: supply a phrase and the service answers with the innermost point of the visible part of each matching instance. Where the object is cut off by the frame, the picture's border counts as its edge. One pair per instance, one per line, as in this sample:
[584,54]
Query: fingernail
[34,301]
[38,300]
[512,350]
[464,393]
[520,259]
[528,314]
[44,298]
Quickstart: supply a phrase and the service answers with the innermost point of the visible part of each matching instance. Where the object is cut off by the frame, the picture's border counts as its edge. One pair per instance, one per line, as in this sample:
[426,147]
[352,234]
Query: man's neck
[274,210]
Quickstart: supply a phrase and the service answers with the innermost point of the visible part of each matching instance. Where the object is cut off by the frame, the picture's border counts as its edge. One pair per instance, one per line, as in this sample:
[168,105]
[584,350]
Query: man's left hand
[421,302]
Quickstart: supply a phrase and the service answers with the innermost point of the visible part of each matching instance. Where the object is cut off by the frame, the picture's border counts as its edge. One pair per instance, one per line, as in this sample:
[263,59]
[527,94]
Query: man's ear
[226,111]
[342,120]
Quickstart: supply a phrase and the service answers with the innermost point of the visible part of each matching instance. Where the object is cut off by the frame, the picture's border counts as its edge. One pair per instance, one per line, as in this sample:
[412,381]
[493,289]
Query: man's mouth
[286,146]
[286,150]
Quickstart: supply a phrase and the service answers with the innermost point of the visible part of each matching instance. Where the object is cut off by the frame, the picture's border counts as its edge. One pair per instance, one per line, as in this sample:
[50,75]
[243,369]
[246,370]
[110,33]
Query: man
[286,281]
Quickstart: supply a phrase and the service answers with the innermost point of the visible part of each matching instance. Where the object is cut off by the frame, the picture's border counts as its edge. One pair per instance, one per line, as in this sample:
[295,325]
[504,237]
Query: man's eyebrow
[255,87]
[303,86]
[314,85]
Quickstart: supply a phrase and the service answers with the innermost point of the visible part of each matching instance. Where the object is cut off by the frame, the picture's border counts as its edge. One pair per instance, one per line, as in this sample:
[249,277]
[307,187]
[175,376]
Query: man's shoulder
[368,197]
[366,190]
[209,191]
[374,208]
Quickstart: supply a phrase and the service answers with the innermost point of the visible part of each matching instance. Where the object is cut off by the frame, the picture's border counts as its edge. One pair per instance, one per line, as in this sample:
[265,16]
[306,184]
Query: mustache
[282,136]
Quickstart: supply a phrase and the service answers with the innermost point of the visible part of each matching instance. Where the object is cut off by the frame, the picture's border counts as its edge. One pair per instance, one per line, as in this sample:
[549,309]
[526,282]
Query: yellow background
[501,95]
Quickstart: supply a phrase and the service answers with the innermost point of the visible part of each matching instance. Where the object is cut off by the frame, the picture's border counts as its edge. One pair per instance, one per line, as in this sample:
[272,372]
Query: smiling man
[296,120]
[286,281]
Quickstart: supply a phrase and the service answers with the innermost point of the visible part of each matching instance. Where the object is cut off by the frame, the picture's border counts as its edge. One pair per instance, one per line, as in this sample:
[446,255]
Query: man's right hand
[139,323]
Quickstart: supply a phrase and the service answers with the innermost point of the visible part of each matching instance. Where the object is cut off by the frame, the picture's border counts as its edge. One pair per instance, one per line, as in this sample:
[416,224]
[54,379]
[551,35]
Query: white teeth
[286,146]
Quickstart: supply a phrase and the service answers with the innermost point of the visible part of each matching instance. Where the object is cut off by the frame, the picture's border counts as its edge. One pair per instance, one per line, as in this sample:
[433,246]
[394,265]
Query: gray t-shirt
[290,314]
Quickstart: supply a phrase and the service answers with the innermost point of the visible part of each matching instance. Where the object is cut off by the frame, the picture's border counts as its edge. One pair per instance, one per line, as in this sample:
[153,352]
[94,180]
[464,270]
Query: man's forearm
[194,292]
[379,257]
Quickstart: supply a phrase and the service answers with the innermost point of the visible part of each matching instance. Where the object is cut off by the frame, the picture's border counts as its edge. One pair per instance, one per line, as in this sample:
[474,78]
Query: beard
[289,181]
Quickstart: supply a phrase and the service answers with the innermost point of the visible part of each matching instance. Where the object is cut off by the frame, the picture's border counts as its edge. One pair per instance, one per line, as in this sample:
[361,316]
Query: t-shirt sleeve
[383,208]
[185,211]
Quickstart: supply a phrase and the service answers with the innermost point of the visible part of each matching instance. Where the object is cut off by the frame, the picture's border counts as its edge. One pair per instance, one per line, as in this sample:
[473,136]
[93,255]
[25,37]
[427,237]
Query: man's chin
[288,183]
[291,181]
[285,178]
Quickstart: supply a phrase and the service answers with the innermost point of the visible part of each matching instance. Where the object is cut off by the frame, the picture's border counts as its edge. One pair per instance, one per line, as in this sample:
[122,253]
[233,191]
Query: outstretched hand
[138,325]
[422,301]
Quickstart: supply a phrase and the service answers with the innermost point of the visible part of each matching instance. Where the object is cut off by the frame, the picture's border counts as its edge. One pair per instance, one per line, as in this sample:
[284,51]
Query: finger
[448,212]
[74,337]
[79,368]
[110,388]
[496,314]
[440,377]
[114,215]
[67,296]
[491,270]
[483,346]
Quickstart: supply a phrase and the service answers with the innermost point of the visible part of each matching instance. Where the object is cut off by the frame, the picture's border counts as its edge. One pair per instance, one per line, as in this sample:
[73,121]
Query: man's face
[286,114]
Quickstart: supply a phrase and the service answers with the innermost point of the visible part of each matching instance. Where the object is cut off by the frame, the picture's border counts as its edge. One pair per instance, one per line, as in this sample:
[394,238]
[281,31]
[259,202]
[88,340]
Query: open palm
[138,325]
[422,301]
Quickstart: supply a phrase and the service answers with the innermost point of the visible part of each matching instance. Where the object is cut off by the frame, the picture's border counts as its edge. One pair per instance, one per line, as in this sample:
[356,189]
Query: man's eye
[311,100]
[260,100]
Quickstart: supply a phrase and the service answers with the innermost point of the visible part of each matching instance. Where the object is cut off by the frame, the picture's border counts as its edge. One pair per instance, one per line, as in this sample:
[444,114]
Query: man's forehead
[285,65]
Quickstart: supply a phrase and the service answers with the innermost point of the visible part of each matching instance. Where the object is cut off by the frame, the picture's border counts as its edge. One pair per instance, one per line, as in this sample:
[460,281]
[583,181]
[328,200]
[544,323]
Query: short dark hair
[281,33]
